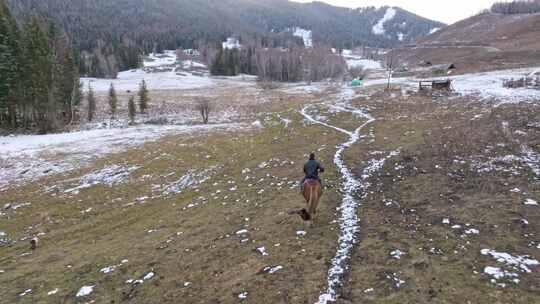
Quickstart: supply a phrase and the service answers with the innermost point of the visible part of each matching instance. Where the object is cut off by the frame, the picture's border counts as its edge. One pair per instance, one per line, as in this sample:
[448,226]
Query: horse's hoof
[305,215]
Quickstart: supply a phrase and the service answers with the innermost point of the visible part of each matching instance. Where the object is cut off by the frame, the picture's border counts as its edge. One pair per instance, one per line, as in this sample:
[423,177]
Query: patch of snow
[166,80]
[257,124]
[243,295]
[168,57]
[366,64]
[27,291]
[148,276]
[190,180]
[240,232]
[53,292]
[28,157]
[532,159]
[395,279]
[189,64]
[397,254]
[487,85]
[108,269]
[531,202]
[272,269]
[472,231]
[231,43]
[85,291]
[378,29]
[499,273]
[434,30]
[306,35]
[521,263]
[262,250]
[108,176]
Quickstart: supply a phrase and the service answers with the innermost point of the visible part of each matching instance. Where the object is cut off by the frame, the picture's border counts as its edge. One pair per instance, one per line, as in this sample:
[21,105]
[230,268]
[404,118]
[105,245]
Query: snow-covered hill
[160,72]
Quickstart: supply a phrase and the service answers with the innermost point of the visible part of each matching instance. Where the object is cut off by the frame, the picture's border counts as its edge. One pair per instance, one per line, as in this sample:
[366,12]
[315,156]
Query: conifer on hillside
[38,74]
[144,99]
[132,110]
[91,99]
[113,101]
[9,66]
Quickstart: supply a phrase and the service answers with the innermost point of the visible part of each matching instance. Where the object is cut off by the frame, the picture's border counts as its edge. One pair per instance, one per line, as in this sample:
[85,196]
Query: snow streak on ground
[109,176]
[306,36]
[190,180]
[28,157]
[348,220]
[378,29]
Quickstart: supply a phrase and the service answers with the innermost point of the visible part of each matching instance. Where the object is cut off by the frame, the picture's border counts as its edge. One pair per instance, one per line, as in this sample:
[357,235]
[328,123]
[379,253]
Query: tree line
[516,7]
[291,64]
[110,35]
[143,100]
[39,78]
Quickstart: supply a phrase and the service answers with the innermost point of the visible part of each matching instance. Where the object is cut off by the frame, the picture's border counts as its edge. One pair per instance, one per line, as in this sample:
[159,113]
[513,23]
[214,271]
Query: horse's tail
[310,198]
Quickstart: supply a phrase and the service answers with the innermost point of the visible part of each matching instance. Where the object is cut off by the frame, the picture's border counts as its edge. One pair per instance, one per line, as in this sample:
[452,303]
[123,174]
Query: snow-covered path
[348,219]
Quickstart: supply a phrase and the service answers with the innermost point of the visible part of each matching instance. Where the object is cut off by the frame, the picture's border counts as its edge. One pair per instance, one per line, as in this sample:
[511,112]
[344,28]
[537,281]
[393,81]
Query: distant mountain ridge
[104,27]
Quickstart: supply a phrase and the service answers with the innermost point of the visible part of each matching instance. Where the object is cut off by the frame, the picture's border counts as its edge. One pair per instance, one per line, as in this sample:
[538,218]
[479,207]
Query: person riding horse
[312,168]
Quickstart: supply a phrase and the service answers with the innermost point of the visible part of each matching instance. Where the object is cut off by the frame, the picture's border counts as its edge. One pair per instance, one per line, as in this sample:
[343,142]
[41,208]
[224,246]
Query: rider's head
[312,156]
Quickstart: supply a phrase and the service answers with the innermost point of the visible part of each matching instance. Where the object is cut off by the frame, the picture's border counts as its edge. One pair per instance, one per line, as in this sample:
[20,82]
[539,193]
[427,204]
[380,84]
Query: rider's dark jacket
[312,169]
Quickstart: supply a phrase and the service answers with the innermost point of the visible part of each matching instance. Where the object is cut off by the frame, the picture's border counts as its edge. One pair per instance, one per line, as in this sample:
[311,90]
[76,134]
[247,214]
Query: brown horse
[312,193]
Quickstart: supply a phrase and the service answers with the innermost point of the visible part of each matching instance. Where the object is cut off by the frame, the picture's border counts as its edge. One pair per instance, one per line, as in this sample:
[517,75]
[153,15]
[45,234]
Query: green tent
[355,82]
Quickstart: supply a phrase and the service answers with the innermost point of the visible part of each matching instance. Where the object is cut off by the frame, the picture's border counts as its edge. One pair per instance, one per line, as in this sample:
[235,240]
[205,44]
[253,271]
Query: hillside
[484,42]
[108,32]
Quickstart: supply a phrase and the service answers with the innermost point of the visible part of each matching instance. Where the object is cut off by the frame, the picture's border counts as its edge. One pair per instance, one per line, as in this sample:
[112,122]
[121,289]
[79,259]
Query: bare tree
[357,72]
[321,64]
[391,63]
[204,107]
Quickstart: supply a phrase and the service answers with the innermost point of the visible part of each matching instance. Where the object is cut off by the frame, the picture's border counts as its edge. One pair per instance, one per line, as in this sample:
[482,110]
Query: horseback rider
[312,168]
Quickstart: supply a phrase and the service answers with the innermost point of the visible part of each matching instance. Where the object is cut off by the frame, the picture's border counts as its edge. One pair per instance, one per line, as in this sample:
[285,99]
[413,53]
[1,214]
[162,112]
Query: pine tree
[76,99]
[38,74]
[113,101]
[9,67]
[132,110]
[144,99]
[91,103]
[40,107]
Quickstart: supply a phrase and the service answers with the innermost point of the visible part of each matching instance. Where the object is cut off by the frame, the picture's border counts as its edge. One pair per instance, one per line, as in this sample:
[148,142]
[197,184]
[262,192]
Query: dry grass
[424,186]
[441,265]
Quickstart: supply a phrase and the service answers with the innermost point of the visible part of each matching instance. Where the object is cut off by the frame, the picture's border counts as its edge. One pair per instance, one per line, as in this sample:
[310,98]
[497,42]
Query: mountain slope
[506,32]
[484,42]
[102,27]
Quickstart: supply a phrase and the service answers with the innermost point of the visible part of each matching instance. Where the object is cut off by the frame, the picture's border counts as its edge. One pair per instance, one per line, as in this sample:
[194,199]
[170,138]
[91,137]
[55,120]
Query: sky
[447,11]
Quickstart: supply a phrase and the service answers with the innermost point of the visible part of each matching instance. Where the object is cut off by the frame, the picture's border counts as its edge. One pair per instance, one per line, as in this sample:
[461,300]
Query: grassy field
[203,243]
